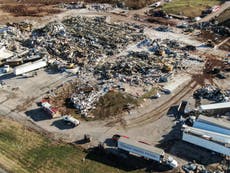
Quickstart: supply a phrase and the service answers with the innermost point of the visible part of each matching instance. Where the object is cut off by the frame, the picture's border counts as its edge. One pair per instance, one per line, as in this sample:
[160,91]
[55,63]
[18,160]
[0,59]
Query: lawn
[190,8]
[23,150]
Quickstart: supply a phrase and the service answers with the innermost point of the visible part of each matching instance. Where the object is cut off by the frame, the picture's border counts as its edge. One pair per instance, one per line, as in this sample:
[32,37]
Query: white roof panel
[224,105]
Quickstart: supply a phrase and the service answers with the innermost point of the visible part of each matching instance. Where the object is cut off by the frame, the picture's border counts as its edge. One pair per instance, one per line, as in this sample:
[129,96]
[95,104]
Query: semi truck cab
[171,162]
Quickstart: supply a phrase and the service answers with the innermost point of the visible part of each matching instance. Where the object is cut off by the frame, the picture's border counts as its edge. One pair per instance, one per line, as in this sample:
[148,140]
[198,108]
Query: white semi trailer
[30,66]
[207,139]
[145,150]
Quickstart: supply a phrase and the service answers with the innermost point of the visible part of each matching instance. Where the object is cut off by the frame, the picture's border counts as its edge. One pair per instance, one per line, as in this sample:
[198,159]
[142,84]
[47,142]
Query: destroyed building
[89,45]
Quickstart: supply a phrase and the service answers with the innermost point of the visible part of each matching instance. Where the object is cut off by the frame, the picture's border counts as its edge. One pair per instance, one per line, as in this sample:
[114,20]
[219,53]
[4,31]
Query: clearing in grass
[189,8]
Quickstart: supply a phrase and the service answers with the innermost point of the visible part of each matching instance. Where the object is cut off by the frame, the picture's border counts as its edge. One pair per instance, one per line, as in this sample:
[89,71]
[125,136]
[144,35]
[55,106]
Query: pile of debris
[85,97]
[73,5]
[141,68]
[154,63]
[137,68]
[212,93]
[198,168]
[12,41]
[90,45]
[214,27]
[85,39]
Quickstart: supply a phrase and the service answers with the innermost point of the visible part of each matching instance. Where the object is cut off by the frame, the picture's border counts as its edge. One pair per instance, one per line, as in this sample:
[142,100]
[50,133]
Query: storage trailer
[216,108]
[145,150]
[212,124]
[218,137]
[30,66]
[212,141]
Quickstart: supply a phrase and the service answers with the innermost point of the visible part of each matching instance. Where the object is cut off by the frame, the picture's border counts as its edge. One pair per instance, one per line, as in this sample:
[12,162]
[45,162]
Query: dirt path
[223,7]
[224,41]
[157,113]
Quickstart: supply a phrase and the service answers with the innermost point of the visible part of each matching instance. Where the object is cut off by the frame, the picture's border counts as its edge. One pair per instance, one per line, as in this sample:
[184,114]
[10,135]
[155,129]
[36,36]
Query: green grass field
[190,8]
[23,150]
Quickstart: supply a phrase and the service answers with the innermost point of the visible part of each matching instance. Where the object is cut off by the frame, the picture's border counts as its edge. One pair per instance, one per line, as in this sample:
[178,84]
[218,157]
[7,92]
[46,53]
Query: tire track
[161,110]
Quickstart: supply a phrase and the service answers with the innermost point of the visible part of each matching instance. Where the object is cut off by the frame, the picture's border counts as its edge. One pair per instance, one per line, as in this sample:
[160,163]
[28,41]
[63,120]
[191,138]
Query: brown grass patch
[28,10]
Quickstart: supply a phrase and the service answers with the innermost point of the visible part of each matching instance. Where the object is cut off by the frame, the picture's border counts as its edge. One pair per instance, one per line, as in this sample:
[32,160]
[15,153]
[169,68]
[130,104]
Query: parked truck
[47,107]
[70,120]
[145,150]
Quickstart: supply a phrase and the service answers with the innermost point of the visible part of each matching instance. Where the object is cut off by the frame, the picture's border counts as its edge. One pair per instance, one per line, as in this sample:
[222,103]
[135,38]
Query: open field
[37,8]
[24,150]
[190,8]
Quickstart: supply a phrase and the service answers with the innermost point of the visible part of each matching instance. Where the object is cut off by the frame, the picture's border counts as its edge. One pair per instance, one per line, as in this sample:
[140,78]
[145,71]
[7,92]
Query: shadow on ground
[60,124]
[38,114]
[115,158]
[7,76]
[173,112]
[80,142]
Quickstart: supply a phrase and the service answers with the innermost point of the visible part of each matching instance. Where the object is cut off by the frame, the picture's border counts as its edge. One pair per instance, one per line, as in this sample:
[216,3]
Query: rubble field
[105,57]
